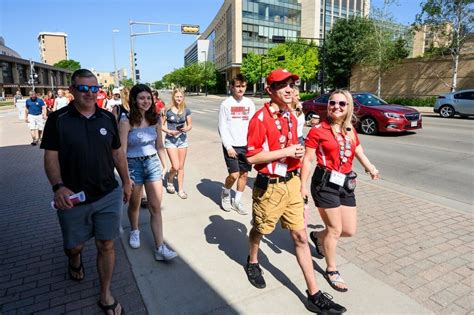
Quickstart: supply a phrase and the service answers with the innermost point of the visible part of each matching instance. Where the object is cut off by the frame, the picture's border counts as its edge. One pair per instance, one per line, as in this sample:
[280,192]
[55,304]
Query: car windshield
[368,99]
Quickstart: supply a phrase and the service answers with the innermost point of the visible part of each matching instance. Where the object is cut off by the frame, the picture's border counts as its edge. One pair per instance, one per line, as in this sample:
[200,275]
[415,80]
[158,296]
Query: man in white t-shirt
[234,117]
[115,101]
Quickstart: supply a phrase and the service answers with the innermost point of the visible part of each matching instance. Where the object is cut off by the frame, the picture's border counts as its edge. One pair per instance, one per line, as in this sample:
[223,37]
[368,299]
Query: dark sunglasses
[341,103]
[86,88]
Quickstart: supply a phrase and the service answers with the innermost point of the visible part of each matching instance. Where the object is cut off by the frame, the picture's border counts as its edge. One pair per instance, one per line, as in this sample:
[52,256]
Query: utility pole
[116,83]
[168,28]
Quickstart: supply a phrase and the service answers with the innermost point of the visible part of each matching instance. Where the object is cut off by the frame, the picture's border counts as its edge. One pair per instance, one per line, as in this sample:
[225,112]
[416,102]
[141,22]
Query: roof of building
[52,34]
[4,50]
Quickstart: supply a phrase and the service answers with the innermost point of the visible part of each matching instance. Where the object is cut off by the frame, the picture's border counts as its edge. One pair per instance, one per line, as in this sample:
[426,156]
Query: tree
[158,84]
[70,64]
[341,49]
[128,83]
[451,21]
[250,68]
[378,50]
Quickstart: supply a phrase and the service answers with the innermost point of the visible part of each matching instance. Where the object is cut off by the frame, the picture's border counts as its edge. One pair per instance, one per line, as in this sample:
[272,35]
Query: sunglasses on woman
[86,88]
[341,103]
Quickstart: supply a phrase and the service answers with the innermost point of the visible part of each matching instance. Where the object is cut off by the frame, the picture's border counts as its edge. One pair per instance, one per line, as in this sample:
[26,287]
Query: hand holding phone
[179,126]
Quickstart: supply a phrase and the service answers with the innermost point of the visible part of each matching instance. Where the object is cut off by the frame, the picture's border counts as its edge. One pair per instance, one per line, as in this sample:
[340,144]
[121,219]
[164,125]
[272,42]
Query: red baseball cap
[279,75]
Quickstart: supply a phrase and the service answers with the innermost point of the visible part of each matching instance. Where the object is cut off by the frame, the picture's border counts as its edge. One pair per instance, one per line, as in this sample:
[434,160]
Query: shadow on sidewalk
[211,189]
[231,238]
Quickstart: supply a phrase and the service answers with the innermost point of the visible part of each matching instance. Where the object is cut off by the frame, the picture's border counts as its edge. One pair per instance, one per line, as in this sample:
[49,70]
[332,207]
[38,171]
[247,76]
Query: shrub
[412,101]
[306,96]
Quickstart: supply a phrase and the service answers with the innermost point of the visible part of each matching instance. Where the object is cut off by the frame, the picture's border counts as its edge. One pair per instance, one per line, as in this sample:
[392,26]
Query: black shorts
[240,163]
[329,195]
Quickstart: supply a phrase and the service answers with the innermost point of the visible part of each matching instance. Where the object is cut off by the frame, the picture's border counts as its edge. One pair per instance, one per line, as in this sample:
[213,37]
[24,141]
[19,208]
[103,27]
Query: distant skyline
[89,25]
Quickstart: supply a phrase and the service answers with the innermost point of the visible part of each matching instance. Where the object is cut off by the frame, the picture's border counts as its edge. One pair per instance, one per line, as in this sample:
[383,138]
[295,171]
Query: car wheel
[368,126]
[446,111]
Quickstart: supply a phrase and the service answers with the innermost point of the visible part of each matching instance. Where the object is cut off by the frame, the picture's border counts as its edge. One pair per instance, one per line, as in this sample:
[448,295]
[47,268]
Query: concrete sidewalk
[409,257]
[398,263]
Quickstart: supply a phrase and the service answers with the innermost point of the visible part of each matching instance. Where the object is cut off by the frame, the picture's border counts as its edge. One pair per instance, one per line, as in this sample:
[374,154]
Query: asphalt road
[435,162]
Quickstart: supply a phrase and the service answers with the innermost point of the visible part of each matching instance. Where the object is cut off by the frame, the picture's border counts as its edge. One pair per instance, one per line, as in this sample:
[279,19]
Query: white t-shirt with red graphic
[234,118]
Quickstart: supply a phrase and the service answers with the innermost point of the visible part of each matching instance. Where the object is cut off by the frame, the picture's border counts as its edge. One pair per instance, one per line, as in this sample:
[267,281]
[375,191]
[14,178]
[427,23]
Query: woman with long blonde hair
[177,123]
[334,143]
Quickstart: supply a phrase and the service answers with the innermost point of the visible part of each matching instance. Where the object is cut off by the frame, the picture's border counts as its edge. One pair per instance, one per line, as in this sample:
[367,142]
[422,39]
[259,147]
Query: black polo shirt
[84,147]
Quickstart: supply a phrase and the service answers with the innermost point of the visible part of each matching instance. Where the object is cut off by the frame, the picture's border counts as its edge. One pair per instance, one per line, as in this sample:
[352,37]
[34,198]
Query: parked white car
[455,103]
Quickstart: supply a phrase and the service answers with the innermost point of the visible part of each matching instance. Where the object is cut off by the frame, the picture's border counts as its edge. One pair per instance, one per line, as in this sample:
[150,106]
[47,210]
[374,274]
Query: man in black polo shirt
[82,147]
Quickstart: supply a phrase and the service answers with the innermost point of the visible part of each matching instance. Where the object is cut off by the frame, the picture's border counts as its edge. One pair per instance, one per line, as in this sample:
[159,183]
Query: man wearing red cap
[273,148]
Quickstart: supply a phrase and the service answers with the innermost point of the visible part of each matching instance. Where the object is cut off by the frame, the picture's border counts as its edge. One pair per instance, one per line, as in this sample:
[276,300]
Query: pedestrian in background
[298,112]
[234,117]
[124,106]
[159,104]
[334,143]
[60,101]
[274,149]
[176,125]
[35,114]
[49,101]
[101,98]
[140,133]
[114,101]
[82,149]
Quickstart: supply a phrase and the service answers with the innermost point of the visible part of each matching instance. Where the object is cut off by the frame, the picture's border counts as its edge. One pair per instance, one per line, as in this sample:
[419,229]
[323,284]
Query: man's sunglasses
[86,88]
[341,103]
[280,85]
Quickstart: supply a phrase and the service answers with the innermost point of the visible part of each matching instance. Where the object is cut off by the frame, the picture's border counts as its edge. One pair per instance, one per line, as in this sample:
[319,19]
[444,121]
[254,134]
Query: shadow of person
[231,238]
[250,181]
[211,189]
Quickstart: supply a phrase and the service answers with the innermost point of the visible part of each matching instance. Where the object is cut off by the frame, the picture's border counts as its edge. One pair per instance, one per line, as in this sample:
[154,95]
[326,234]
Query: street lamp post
[116,83]
[205,70]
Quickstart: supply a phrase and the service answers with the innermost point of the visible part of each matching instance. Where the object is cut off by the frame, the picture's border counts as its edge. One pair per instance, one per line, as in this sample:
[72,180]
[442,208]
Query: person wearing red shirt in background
[49,101]
[160,105]
[101,97]
[334,143]
[274,150]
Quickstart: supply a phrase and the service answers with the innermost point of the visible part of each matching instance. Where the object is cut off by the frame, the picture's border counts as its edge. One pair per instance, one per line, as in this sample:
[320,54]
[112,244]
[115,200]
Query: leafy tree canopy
[70,64]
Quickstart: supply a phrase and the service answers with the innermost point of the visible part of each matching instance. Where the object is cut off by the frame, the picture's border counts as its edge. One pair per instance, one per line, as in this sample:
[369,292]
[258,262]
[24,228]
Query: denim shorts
[147,170]
[179,142]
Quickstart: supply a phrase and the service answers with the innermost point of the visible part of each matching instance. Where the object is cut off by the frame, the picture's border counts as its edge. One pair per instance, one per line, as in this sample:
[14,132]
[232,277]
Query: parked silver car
[455,103]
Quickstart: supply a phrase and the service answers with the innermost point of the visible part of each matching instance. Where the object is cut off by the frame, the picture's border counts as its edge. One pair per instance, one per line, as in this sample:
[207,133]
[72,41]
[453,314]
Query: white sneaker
[134,240]
[225,201]
[164,253]
[239,207]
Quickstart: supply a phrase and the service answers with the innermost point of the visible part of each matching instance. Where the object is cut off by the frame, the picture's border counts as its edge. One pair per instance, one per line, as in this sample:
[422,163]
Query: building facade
[243,26]
[16,73]
[53,47]
[197,52]
[106,79]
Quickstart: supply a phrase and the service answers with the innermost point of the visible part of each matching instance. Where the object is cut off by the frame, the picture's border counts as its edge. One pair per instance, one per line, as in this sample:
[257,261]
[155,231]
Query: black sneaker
[254,274]
[34,142]
[322,303]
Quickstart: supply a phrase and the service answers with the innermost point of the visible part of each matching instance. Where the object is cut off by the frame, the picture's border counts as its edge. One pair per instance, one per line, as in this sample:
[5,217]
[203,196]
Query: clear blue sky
[89,25]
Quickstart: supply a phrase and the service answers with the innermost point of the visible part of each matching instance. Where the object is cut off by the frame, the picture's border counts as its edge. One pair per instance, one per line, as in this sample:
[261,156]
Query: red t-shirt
[49,101]
[159,106]
[263,135]
[101,97]
[321,138]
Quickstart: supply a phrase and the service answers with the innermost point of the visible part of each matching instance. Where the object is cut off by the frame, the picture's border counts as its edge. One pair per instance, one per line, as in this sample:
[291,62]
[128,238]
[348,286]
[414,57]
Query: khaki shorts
[281,201]
[35,122]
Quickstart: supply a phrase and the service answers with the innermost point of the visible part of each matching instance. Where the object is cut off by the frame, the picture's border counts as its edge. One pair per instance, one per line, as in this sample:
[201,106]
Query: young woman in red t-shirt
[49,101]
[334,143]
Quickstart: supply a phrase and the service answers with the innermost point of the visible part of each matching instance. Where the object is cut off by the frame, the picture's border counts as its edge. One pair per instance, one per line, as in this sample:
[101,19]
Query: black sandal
[319,253]
[111,307]
[338,279]
[77,270]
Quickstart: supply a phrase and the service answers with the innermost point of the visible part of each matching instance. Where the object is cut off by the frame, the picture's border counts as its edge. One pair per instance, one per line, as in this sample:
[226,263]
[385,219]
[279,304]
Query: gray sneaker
[225,201]
[239,207]
[164,253]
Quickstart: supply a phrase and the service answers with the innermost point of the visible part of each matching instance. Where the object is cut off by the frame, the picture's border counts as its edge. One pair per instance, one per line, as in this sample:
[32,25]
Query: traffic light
[189,29]
[137,74]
